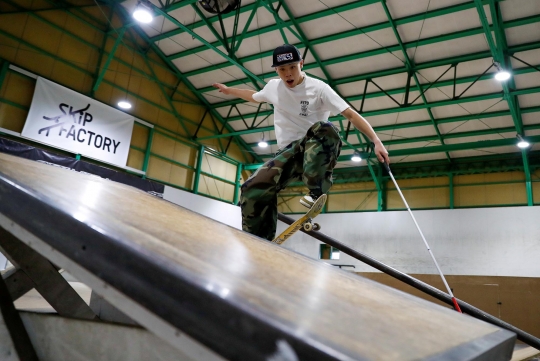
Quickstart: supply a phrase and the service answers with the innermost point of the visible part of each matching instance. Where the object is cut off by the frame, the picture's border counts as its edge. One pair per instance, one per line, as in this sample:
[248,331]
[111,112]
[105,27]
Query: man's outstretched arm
[246,94]
[362,125]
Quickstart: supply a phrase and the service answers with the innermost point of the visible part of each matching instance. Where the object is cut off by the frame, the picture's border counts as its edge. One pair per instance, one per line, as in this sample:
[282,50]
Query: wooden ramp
[224,293]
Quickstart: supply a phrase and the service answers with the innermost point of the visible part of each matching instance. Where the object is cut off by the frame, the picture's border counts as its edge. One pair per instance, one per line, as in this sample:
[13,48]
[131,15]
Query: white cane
[456,306]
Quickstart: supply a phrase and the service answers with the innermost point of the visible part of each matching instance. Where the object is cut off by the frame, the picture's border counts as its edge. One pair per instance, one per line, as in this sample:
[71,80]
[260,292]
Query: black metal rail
[419,285]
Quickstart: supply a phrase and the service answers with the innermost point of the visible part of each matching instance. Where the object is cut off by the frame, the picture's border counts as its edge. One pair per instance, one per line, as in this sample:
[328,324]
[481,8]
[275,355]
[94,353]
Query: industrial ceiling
[420,71]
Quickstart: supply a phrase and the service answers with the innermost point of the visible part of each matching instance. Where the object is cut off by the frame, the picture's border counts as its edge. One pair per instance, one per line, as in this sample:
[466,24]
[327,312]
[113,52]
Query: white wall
[478,241]
[482,241]
[220,211]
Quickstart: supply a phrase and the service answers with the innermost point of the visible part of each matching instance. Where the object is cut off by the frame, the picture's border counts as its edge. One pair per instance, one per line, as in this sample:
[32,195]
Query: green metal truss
[409,66]
[499,52]
[230,39]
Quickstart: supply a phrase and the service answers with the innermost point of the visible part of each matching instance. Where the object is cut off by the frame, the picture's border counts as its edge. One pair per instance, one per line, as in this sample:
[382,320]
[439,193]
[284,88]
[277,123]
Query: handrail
[419,285]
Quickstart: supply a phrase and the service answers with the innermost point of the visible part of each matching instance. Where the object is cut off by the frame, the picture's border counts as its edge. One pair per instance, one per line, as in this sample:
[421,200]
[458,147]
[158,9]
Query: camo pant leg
[311,159]
[258,199]
[321,151]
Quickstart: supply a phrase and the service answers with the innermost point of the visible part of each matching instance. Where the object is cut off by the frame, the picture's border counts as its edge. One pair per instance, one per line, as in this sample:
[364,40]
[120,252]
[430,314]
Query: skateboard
[306,221]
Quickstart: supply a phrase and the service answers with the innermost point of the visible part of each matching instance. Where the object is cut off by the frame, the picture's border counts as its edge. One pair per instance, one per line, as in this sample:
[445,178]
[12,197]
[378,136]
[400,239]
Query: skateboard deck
[303,222]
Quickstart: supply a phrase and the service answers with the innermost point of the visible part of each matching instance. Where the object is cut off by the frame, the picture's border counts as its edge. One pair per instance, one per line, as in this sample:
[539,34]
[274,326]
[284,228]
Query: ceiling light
[263,144]
[522,143]
[124,104]
[143,14]
[502,74]
[356,157]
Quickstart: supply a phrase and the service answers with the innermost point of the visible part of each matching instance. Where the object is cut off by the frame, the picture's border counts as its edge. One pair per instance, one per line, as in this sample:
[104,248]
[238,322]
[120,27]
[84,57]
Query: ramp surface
[189,279]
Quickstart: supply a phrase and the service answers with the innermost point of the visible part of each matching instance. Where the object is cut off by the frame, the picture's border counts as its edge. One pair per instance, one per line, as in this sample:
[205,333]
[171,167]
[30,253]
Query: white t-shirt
[297,109]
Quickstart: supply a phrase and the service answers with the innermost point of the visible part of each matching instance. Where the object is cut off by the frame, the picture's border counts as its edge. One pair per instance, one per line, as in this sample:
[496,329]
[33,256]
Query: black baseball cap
[286,54]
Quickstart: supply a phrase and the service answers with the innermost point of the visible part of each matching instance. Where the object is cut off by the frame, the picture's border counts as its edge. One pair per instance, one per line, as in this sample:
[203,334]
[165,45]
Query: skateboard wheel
[308,227]
[316,226]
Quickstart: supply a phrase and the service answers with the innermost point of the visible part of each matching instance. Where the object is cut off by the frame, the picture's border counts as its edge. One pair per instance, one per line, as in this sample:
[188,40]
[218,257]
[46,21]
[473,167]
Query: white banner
[66,119]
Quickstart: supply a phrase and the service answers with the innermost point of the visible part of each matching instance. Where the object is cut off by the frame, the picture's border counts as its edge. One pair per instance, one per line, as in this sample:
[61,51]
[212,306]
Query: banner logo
[66,119]
[79,117]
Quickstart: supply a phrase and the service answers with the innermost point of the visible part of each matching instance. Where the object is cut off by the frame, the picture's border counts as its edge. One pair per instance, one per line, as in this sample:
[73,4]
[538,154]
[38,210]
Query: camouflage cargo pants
[310,159]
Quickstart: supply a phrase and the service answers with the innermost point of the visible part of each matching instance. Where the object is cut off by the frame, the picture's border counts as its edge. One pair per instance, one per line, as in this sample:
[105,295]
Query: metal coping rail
[419,285]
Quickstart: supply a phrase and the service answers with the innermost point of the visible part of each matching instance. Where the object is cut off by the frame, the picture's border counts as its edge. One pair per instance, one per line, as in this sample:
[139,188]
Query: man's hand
[381,153]
[222,88]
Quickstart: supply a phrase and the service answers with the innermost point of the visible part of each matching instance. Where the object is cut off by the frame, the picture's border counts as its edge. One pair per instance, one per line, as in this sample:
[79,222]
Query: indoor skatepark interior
[120,231]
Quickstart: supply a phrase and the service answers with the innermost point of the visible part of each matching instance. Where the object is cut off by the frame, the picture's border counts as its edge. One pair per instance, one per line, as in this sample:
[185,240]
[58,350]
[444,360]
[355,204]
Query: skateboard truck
[310,226]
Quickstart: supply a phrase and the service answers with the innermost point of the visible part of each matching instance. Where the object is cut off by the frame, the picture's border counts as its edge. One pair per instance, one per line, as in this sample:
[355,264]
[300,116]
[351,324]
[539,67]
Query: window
[328,252]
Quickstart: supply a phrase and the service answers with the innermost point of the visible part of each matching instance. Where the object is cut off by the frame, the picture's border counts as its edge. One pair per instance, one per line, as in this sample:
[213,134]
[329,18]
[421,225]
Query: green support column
[381,194]
[237,187]
[109,59]
[499,51]
[198,170]
[451,189]
[528,184]
[3,72]
[148,151]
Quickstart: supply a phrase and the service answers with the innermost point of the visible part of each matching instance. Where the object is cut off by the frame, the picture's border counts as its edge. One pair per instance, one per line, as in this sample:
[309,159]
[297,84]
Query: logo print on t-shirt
[303,107]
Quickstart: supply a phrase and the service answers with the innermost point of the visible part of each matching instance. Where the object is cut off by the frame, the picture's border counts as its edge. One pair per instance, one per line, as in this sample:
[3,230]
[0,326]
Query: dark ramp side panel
[232,292]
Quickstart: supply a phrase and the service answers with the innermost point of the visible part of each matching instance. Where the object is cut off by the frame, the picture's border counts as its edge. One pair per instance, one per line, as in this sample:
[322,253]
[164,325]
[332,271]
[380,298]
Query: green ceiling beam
[441,168]
[459,118]
[102,50]
[169,100]
[338,36]
[190,86]
[439,84]
[416,124]
[349,79]
[178,4]
[219,37]
[430,64]
[512,99]
[383,128]
[440,103]
[241,132]
[498,51]
[250,7]
[110,57]
[373,52]
[242,36]
[473,133]
[436,138]
[105,32]
[350,57]
[411,72]
[198,24]
[230,60]
[436,167]
[280,23]
[455,147]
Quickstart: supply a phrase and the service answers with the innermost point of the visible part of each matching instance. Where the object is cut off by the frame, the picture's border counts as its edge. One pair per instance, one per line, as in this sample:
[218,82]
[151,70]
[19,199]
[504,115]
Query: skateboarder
[309,145]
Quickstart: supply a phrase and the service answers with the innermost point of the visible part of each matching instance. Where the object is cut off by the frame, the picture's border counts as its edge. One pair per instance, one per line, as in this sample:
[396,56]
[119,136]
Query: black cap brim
[290,62]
